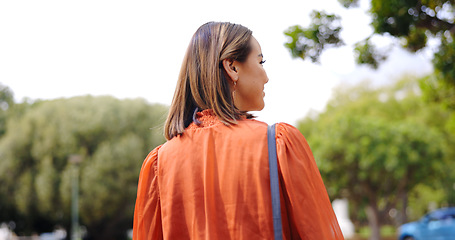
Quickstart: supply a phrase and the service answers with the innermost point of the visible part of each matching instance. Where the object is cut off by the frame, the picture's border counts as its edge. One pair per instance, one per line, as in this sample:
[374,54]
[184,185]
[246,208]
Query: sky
[134,49]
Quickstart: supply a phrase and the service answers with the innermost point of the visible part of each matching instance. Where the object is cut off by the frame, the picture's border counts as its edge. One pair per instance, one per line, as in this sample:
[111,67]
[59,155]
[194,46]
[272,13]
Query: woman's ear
[229,67]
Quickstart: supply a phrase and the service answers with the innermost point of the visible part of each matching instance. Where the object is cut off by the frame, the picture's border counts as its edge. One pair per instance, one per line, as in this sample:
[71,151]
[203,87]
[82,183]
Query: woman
[210,180]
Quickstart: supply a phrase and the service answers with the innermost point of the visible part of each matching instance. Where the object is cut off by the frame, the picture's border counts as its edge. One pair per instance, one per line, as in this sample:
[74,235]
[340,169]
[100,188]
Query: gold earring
[233,92]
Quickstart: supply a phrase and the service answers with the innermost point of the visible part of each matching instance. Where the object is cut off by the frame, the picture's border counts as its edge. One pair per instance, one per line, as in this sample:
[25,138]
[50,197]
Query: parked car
[436,225]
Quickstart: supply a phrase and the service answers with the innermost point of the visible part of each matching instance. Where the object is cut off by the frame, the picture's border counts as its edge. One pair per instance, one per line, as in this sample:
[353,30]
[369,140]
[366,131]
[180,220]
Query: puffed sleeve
[307,212]
[147,212]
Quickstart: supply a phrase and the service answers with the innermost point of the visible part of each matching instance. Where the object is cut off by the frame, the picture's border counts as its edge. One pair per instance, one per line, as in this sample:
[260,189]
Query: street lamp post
[75,160]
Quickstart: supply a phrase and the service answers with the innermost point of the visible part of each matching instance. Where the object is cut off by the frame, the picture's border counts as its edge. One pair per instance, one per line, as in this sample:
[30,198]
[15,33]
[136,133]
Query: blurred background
[85,87]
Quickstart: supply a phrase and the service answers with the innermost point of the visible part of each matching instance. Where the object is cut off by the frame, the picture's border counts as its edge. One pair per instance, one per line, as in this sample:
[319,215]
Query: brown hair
[203,82]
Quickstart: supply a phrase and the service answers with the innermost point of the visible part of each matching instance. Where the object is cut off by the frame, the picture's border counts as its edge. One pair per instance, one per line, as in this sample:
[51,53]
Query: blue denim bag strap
[274,182]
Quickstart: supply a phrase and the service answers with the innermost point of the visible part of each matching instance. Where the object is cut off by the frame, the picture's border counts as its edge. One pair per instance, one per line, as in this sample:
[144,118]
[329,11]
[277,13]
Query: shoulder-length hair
[203,82]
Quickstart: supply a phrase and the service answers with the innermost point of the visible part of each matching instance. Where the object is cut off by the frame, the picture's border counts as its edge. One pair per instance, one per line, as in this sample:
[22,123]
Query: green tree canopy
[6,102]
[112,136]
[322,33]
[412,22]
[374,146]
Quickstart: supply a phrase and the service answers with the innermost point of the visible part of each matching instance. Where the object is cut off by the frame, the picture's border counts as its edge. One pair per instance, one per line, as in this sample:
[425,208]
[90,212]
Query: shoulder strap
[274,182]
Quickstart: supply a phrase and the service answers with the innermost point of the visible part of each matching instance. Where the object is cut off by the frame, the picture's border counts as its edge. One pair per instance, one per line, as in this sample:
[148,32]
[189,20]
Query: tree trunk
[404,205]
[373,221]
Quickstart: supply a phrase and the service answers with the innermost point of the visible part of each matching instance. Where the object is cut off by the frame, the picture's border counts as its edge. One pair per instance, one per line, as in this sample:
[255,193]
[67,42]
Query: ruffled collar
[205,118]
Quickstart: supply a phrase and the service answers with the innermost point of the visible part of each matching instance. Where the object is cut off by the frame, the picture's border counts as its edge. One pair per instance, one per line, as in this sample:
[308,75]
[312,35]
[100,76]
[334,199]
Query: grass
[387,233]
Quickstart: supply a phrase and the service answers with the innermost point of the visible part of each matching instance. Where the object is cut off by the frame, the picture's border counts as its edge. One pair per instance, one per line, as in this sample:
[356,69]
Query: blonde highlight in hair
[202,82]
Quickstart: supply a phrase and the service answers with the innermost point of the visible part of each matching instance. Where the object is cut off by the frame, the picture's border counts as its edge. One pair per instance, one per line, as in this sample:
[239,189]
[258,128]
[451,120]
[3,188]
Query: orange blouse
[212,182]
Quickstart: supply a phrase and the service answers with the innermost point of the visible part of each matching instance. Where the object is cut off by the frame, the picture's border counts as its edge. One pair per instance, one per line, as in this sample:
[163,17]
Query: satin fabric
[212,182]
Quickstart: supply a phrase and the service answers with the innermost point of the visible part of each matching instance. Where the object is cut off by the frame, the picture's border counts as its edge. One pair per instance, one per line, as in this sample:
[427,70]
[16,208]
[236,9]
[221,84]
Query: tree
[374,146]
[6,102]
[411,22]
[309,42]
[112,136]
